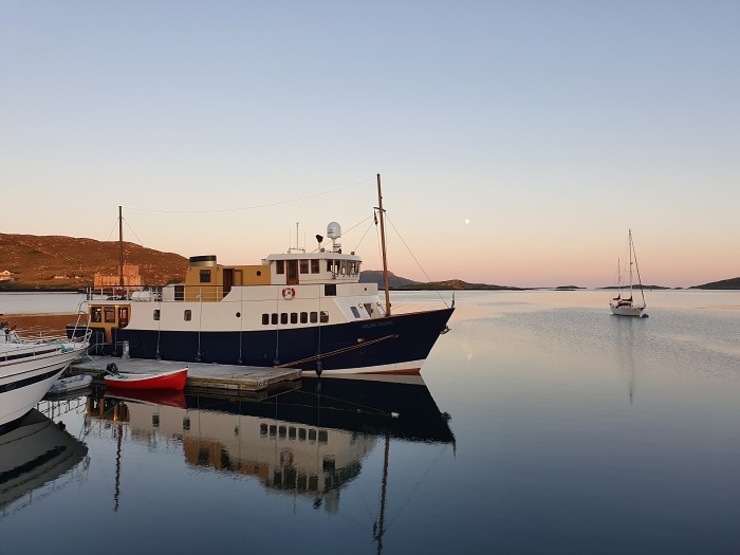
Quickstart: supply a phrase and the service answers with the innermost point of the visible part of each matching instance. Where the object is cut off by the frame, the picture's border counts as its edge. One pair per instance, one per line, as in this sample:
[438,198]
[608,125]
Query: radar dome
[333,231]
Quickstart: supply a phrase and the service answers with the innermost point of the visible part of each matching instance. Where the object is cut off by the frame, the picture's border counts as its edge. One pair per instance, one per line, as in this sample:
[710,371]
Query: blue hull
[354,346]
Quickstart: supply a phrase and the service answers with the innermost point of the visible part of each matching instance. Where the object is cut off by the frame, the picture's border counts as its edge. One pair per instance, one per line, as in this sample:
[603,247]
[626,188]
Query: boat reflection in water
[311,439]
[35,454]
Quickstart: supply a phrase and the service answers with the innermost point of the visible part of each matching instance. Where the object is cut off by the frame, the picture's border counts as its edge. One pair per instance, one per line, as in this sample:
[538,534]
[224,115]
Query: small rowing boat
[70,383]
[174,379]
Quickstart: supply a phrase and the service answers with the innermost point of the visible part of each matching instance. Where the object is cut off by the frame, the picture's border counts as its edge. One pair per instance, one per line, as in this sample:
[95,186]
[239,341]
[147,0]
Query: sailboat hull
[638,311]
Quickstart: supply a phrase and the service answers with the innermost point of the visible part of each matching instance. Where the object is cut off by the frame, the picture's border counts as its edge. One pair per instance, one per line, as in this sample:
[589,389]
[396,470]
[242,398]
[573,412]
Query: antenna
[291,248]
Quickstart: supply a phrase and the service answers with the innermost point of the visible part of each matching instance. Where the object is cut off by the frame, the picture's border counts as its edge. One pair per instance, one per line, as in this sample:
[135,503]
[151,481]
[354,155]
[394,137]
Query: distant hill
[376,276]
[56,262]
[457,285]
[646,287]
[732,283]
[403,284]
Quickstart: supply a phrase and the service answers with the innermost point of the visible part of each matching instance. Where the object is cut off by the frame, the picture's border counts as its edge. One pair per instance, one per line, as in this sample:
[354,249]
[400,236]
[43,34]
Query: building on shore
[132,280]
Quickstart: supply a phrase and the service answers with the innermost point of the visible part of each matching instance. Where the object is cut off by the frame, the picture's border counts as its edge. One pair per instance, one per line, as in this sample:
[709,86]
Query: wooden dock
[225,378]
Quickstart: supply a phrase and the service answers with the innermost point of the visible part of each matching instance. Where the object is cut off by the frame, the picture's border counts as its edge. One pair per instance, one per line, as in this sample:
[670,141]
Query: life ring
[286,458]
[288,293]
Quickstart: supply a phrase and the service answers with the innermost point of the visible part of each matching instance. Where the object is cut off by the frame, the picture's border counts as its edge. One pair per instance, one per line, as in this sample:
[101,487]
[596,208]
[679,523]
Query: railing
[21,344]
[135,292]
[171,293]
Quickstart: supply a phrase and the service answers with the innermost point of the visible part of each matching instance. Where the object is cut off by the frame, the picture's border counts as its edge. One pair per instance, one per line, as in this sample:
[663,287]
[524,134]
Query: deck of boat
[222,377]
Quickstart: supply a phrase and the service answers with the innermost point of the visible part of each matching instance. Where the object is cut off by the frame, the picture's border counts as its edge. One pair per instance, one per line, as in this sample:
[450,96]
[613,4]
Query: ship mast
[120,247]
[385,258]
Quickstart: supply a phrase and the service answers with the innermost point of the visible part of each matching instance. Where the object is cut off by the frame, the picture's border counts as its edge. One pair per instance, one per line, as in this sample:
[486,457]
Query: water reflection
[38,458]
[309,440]
[625,351]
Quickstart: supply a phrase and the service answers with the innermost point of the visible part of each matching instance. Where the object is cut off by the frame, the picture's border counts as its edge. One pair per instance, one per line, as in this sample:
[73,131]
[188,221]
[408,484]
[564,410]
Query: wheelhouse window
[303,266]
[314,265]
[110,314]
[123,316]
[280,266]
[205,276]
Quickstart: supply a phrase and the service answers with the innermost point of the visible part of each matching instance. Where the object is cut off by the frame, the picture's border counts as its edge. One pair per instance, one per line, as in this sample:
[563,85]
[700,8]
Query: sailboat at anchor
[628,306]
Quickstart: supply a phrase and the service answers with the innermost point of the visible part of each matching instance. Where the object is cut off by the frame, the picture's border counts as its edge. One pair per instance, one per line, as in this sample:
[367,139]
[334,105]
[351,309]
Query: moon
[467,221]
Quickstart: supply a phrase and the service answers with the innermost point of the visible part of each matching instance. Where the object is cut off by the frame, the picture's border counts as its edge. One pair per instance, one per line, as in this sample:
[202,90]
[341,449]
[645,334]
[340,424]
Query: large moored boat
[305,310]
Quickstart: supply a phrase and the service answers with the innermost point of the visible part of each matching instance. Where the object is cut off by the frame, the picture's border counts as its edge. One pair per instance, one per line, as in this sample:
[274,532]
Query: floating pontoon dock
[221,377]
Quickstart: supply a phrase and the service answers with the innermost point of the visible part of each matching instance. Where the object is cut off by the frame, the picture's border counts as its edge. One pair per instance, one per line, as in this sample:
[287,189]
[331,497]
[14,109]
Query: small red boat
[174,379]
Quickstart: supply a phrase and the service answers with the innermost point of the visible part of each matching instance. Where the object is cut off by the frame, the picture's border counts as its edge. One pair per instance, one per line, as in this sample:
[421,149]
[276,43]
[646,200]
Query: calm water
[35,303]
[569,431]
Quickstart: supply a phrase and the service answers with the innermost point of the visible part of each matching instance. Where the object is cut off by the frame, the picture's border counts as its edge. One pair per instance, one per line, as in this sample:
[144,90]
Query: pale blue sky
[552,127]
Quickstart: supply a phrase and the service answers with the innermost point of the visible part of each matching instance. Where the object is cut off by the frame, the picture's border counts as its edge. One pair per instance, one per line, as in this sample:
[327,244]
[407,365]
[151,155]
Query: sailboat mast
[630,247]
[637,267]
[385,258]
[120,247]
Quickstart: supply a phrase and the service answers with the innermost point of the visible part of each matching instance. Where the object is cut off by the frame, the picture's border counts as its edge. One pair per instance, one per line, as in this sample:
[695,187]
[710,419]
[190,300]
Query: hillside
[56,262]
[732,283]
[457,285]
[376,276]
[400,283]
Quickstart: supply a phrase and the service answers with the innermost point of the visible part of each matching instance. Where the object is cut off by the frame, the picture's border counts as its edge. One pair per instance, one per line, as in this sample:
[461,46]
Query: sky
[517,141]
